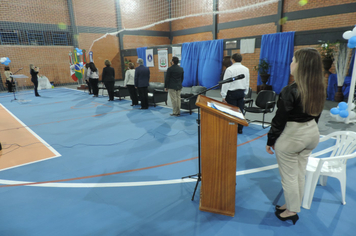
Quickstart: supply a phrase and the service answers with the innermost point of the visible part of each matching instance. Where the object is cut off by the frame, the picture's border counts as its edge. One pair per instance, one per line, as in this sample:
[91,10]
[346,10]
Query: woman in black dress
[34,78]
[108,78]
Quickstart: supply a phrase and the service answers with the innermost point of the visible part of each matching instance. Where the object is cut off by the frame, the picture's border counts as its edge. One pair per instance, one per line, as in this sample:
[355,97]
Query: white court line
[57,154]
[126,184]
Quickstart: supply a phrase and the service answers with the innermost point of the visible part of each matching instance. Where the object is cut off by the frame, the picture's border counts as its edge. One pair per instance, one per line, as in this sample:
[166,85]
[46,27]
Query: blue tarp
[202,62]
[278,49]
[141,53]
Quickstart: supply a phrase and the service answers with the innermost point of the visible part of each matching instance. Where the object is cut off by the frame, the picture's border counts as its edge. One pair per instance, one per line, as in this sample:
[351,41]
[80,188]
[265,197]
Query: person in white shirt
[234,93]
[94,78]
[86,77]
[9,79]
[130,84]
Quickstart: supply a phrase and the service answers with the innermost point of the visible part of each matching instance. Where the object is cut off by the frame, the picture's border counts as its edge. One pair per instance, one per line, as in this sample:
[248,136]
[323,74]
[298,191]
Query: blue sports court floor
[116,170]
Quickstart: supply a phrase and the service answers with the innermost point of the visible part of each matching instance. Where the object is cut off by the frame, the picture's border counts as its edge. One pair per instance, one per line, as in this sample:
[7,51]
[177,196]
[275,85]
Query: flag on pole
[149,58]
[71,68]
[77,67]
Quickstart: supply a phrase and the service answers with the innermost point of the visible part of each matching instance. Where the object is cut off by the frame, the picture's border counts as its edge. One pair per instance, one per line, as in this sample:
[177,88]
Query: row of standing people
[91,76]
[139,79]
[137,82]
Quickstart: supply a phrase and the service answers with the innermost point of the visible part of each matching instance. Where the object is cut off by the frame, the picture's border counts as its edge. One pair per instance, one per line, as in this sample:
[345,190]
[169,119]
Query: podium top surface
[202,102]
[19,76]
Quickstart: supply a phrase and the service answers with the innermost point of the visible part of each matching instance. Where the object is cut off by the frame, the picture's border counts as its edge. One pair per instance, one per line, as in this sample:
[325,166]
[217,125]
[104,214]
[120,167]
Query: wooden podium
[218,157]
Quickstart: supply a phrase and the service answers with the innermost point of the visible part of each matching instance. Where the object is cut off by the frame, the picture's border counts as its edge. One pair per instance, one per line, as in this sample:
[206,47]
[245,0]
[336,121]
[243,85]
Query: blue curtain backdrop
[189,62]
[202,62]
[210,62]
[141,53]
[351,67]
[278,49]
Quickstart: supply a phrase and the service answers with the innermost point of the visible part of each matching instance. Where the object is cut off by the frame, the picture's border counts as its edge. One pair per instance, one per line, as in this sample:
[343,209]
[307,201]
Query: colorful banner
[162,59]
[71,68]
[77,67]
[149,58]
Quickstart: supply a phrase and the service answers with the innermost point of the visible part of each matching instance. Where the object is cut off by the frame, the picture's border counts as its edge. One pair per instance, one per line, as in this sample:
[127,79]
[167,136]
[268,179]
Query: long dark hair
[92,67]
[310,81]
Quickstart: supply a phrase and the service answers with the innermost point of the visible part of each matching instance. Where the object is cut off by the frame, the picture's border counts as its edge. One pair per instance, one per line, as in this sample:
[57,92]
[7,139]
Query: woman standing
[34,78]
[294,131]
[86,77]
[93,78]
[9,79]
[130,84]
[226,64]
[108,78]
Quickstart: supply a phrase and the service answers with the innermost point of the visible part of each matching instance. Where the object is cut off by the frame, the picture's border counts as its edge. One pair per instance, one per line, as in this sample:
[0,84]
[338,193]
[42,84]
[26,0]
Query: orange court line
[118,172]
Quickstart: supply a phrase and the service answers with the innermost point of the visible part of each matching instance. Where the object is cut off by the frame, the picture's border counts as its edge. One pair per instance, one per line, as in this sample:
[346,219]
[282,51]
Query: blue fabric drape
[141,53]
[189,62]
[202,62]
[352,62]
[210,62]
[332,87]
[278,50]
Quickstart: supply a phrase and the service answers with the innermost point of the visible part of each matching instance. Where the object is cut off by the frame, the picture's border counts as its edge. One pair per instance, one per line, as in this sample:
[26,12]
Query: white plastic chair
[333,166]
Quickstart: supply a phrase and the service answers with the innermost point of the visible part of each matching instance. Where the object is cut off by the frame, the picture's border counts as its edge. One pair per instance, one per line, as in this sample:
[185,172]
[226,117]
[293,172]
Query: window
[35,38]
[9,37]
[60,39]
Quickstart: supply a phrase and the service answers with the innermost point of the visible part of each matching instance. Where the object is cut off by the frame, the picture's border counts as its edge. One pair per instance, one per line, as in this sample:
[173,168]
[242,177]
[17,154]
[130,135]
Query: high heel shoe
[293,218]
[278,209]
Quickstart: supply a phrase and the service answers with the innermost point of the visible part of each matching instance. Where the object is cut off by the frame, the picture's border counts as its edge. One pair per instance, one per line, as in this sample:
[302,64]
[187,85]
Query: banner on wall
[177,52]
[162,59]
[149,58]
[247,46]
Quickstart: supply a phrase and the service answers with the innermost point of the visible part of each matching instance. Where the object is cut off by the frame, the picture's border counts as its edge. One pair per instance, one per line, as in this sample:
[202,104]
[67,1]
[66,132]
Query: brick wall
[107,48]
[103,14]
[39,11]
[247,31]
[192,38]
[53,61]
[138,13]
[324,22]
[192,22]
[293,5]
[247,13]
[94,13]
[133,41]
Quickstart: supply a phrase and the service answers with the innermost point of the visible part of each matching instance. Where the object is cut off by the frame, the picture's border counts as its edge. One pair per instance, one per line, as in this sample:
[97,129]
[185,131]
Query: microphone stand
[13,89]
[198,175]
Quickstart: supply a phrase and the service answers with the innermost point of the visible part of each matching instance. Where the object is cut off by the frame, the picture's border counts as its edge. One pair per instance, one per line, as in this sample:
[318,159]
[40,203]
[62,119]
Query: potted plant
[341,55]
[127,62]
[262,68]
[326,50]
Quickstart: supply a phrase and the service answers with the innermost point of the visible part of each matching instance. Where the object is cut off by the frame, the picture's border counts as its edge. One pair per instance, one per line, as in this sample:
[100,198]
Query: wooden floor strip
[20,146]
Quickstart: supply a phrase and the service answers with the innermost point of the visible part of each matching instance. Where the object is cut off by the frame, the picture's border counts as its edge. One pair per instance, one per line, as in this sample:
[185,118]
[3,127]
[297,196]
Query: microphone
[232,79]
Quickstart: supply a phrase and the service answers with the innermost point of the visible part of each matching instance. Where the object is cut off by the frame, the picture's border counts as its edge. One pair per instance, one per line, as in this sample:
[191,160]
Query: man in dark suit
[173,83]
[142,78]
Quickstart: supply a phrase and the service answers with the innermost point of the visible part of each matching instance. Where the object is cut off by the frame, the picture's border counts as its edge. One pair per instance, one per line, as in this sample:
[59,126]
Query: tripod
[15,87]
[198,175]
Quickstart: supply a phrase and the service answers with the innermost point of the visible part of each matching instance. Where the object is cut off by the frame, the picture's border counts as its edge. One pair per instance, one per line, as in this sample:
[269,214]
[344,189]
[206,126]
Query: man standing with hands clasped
[142,78]
[173,83]
[234,93]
